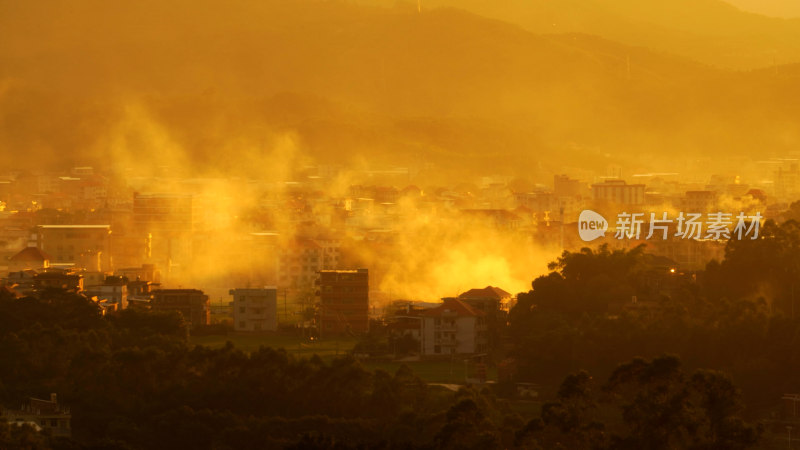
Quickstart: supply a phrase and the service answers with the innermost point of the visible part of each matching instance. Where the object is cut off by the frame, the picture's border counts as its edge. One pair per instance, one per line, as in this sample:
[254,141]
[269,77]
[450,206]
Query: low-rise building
[147,272]
[193,304]
[255,309]
[22,282]
[29,258]
[113,290]
[42,415]
[489,299]
[58,279]
[140,293]
[453,328]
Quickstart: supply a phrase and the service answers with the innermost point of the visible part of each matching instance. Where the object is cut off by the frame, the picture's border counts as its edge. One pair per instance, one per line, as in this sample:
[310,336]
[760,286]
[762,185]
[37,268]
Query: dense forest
[665,374]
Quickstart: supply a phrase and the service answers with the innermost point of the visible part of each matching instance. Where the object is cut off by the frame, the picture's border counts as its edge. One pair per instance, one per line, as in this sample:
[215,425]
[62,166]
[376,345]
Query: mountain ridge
[373,84]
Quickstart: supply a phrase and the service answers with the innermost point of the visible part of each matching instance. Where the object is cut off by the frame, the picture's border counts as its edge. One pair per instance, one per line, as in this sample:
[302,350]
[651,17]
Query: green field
[327,348]
[430,371]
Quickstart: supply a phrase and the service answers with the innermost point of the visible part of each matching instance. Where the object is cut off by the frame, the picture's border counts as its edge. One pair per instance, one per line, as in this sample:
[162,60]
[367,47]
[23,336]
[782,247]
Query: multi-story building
[146,272]
[298,263]
[300,260]
[330,251]
[58,279]
[699,202]
[43,415]
[255,309]
[494,303]
[166,223]
[343,301]
[453,328]
[497,218]
[85,246]
[787,180]
[618,192]
[564,186]
[171,214]
[113,290]
[193,304]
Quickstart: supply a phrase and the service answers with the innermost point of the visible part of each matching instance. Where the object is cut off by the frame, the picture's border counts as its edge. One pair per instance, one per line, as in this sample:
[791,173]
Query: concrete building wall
[450,335]
[255,309]
[83,245]
[344,301]
[619,192]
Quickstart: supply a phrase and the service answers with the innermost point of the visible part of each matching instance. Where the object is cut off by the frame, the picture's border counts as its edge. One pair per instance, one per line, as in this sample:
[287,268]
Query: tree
[768,266]
[22,437]
[663,409]
[467,427]
[644,405]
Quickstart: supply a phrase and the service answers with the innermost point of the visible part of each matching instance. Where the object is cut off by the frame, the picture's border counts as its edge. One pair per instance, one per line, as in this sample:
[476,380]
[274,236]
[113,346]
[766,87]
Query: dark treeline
[740,315]
[133,381]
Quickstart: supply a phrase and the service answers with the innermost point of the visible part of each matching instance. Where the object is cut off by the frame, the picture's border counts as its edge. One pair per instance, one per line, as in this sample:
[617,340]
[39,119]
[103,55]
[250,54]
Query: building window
[242,309]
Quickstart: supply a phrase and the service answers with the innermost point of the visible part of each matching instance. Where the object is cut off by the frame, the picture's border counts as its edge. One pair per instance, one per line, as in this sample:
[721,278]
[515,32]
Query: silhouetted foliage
[134,382]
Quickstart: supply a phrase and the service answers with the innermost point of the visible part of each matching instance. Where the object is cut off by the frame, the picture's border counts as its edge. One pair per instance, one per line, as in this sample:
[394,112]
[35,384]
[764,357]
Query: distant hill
[775,8]
[711,31]
[139,82]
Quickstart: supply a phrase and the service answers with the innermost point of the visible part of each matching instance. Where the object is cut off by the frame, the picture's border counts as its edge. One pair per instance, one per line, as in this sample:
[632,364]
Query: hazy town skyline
[413,224]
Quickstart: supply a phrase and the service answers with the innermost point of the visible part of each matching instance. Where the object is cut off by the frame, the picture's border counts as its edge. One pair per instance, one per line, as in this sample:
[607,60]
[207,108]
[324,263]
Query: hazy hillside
[711,31]
[205,82]
[776,8]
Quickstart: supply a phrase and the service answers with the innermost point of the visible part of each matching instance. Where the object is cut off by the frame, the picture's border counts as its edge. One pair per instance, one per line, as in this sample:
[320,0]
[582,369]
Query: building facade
[453,328]
[343,301]
[84,246]
[299,261]
[618,192]
[255,309]
[113,290]
[43,415]
[29,258]
[193,304]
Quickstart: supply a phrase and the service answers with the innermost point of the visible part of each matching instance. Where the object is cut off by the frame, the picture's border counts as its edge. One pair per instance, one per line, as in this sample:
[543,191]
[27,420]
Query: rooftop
[454,306]
[178,291]
[344,271]
[30,254]
[76,226]
[487,292]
